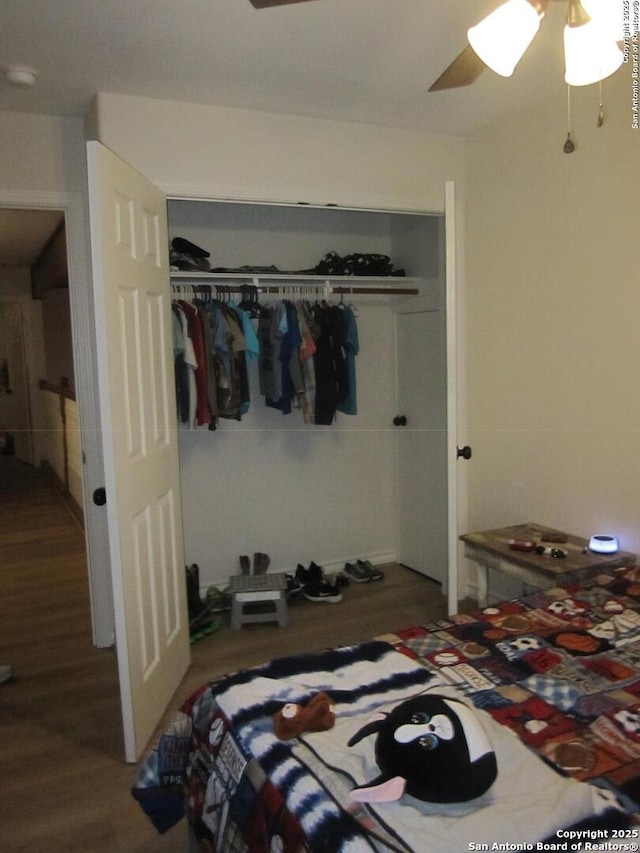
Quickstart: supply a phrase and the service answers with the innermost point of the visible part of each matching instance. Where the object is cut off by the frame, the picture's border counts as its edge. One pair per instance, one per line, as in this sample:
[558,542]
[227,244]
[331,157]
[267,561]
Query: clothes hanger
[255,306]
[247,301]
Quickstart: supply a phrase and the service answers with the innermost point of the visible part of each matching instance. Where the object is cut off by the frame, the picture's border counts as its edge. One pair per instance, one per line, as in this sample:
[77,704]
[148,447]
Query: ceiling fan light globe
[614,17]
[590,55]
[501,39]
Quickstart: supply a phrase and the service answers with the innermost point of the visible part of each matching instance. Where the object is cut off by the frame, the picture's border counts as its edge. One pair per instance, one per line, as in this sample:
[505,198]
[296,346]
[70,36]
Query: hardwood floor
[65,785]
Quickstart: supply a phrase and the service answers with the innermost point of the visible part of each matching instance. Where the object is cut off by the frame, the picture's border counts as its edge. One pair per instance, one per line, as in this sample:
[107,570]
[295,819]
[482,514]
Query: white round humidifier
[602,544]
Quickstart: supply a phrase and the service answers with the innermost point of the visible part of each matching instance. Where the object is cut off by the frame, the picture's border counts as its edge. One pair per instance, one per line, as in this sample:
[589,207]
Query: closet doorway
[356,455]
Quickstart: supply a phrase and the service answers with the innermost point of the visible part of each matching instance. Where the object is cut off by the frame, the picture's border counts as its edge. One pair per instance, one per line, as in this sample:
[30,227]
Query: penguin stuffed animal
[431,747]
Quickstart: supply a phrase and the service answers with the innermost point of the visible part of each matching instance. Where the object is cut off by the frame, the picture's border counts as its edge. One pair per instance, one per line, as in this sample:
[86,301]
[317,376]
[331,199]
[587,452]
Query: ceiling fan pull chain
[600,120]
[569,145]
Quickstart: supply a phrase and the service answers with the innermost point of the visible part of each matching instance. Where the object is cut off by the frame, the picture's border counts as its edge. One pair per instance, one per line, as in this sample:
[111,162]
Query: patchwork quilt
[552,676]
[560,668]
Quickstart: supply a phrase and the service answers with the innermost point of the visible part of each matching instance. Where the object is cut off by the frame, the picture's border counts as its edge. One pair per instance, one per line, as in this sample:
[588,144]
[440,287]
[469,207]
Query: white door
[429,382]
[421,426]
[137,400]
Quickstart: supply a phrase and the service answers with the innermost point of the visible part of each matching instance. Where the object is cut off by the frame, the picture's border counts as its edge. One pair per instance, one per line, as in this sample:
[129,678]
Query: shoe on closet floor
[374,573]
[218,600]
[6,672]
[195,604]
[314,574]
[357,573]
[261,563]
[322,591]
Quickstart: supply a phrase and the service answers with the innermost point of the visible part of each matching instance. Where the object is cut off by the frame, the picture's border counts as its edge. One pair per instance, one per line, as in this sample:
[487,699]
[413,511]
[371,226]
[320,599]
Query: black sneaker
[313,574]
[322,591]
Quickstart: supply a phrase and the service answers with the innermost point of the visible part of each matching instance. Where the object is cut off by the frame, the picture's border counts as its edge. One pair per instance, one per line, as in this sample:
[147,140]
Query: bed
[553,677]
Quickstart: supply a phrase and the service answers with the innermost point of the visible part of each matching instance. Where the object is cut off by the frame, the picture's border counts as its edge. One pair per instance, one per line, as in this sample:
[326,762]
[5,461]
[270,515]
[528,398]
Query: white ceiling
[357,60]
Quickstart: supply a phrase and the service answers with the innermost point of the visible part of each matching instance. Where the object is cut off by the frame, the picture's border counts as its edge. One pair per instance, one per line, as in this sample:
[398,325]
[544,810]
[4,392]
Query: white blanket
[528,801]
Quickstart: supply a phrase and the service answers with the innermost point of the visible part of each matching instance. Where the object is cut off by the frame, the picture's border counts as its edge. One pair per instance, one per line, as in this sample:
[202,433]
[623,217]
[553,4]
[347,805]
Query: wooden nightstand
[490,550]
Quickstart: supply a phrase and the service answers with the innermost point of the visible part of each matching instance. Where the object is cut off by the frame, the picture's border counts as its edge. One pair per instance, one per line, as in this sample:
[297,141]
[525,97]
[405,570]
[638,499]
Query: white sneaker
[6,672]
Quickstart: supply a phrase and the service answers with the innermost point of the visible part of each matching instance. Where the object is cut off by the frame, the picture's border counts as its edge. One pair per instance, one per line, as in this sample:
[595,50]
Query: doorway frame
[73,207]
[452,212]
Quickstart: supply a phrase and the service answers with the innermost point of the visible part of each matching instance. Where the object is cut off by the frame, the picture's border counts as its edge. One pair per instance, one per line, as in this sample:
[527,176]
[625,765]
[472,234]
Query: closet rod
[284,288]
[362,288]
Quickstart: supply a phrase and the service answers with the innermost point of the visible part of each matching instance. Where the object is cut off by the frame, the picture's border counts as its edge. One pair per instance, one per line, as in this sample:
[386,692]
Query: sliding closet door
[137,400]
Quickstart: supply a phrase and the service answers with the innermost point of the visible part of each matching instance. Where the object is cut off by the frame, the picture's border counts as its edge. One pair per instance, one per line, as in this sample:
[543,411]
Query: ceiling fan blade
[267,4]
[464,70]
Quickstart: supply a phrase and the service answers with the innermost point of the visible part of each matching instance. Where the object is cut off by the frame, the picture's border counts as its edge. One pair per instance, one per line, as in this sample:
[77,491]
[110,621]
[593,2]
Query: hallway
[65,784]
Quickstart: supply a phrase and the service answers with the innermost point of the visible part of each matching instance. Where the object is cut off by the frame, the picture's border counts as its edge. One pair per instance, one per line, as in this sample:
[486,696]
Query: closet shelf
[273,282]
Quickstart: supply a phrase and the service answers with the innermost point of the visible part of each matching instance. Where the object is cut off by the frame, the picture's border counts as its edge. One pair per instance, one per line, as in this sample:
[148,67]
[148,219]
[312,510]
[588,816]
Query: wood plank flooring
[64,783]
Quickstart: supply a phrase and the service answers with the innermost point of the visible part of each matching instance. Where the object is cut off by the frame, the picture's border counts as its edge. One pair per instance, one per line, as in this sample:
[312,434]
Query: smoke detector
[21,75]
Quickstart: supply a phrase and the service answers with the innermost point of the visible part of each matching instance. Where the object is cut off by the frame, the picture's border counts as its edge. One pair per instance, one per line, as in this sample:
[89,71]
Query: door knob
[100,496]
[465,452]
[400,420]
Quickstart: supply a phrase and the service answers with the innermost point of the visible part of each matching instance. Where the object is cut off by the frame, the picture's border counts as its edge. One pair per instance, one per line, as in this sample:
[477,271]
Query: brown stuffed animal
[293,720]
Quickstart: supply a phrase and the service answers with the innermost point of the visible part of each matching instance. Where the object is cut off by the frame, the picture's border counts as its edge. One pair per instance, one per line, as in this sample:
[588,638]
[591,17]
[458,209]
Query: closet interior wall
[272,483]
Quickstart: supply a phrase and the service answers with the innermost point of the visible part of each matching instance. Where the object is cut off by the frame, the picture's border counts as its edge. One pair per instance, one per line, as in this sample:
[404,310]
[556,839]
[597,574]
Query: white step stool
[263,596]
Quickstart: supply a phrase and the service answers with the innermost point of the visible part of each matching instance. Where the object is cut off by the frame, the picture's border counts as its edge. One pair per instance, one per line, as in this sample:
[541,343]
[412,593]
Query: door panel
[133,326]
[422,443]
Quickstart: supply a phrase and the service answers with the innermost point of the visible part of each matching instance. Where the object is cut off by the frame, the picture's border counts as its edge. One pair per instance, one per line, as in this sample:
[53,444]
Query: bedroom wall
[221,152]
[552,307]
[41,153]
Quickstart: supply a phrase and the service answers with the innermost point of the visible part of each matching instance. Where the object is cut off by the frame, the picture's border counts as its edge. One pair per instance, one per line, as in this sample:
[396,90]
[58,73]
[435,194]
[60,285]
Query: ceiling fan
[591,36]
[500,40]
